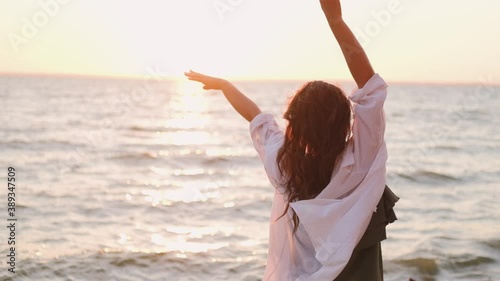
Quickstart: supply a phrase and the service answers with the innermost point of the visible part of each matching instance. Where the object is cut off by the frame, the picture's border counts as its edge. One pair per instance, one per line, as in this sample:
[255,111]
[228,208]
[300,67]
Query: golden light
[184,138]
[189,192]
[183,246]
[180,243]
[188,116]
[199,232]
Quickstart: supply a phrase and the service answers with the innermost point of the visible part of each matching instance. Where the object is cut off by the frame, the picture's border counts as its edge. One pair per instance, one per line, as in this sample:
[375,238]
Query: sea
[123,179]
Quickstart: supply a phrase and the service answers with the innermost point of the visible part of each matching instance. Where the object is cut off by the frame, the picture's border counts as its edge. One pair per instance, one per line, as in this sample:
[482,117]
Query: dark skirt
[365,263]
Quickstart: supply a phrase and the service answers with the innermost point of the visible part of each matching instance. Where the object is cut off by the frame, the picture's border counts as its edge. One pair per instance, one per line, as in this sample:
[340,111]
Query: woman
[331,204]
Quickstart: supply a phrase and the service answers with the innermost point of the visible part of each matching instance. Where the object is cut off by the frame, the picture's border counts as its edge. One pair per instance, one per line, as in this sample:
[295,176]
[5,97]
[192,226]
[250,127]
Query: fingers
[195,76]
[189,74]
[198,77]
[193,73]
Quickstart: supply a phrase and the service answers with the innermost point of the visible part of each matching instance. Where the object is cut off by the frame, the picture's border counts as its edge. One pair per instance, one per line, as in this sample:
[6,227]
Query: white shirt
[332,224]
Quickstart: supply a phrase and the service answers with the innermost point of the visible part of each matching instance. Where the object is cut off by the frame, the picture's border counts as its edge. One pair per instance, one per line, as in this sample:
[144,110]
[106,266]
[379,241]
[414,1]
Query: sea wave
[135,156]
[427,266]
[493,244]
[426,176]
[116,264]
[146,129]
[468,260]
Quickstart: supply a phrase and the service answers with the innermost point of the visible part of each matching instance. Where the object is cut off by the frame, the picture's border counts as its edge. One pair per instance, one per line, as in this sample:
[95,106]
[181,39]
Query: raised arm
[241,103]
[355,56]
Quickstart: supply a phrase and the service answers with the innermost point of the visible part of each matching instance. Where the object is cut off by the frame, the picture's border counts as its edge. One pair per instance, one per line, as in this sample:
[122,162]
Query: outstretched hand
[332,8]
[209,82]
[245,106]
[354,54]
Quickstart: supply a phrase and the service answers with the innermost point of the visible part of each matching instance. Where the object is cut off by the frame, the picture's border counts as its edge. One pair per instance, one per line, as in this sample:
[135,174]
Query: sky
[445,41]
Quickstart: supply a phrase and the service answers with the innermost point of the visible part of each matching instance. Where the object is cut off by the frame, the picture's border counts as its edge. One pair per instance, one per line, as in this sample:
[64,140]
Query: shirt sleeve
[267,139]
[369,119]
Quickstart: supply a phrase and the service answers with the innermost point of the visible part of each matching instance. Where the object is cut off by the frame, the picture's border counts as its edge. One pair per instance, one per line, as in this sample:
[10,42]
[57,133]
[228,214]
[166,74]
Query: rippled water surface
[120,183]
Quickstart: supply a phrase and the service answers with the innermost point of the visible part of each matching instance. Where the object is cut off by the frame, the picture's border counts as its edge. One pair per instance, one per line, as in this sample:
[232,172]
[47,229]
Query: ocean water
[149,180]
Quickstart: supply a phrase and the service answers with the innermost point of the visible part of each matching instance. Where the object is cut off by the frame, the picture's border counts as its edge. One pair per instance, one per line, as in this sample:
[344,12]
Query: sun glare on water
[188,116]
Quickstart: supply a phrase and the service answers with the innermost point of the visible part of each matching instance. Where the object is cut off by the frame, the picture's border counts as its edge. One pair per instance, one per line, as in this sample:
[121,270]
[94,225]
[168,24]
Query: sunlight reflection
[251,243]
[123,238]
[181,256]
[188,121]
[188,116]
[191,172]
[229,204]
[189,193]
[230,151]
[199,232]
[188,88]
[180,244]
[190,99]
[183,137]
[160,171]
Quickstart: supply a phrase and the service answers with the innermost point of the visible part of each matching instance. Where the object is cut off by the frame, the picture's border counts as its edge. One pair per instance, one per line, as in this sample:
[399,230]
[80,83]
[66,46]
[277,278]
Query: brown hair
[319,125]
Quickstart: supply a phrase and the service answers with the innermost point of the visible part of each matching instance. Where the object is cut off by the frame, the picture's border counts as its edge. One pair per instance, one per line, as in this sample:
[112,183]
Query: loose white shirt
[333,223]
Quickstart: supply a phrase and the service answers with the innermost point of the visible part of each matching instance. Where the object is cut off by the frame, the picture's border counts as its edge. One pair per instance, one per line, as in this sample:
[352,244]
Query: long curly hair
[319,126]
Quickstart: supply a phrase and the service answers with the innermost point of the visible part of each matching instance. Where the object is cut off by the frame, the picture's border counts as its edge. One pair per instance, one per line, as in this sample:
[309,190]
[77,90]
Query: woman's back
[332,223]
[328,177]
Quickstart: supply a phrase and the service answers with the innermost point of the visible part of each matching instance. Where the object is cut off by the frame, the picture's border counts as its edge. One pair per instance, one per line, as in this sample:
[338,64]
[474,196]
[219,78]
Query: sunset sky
[410,41]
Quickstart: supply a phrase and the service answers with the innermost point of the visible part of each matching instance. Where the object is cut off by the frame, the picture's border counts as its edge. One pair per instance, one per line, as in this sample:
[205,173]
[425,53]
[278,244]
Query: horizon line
[236,79]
